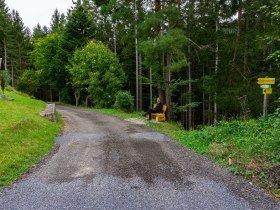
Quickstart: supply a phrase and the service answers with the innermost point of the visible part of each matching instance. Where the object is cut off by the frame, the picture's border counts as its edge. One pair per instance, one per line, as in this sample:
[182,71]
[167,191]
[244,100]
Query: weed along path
[104,162]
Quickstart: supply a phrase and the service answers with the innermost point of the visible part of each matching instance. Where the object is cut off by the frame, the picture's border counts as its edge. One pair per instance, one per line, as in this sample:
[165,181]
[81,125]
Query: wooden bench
[160,117]
[49,112]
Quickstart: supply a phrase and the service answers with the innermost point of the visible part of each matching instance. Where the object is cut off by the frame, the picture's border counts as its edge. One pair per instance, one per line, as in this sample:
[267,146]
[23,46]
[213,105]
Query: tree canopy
[202,58]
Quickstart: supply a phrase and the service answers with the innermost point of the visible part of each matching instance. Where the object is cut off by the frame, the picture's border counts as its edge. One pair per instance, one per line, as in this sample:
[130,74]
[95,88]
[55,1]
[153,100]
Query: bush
[95,69]
[124,101]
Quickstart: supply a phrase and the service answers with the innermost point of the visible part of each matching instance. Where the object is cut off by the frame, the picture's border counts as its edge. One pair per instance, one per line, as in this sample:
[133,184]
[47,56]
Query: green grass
[118,113]
[25,136]
[250,148]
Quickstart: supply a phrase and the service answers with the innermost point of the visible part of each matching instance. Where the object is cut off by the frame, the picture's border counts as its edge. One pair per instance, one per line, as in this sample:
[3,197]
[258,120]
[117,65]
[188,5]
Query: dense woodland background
[202,57]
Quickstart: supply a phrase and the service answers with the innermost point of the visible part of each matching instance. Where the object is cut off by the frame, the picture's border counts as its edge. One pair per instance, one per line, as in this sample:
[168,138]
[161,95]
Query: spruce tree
[79,29]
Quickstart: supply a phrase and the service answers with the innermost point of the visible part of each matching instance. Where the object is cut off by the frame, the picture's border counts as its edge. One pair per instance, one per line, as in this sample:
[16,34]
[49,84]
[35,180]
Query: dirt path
[104,162]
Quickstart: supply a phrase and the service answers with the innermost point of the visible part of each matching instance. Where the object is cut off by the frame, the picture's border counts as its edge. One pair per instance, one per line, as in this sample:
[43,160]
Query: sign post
[265,104]
[0,63]
[265,84]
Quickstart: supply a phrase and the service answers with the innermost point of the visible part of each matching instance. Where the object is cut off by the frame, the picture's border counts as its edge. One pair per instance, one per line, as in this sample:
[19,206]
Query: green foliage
[58,22]
[48,56]
[96,70]
[124,101]
[251,148]
[79,29]
[29,82]
[25,136]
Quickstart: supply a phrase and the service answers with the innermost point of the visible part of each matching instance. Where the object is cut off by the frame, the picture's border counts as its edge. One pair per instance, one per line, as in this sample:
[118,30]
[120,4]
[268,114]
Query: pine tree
[19,45]
[58,22]
[38,32]
[5,28]
[79,29]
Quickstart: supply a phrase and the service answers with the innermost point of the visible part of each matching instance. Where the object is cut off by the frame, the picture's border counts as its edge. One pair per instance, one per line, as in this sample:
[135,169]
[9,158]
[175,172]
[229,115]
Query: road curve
[104,162]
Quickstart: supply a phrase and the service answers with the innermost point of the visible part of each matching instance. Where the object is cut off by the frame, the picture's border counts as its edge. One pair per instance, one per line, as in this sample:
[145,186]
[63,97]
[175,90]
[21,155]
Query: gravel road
[104,162]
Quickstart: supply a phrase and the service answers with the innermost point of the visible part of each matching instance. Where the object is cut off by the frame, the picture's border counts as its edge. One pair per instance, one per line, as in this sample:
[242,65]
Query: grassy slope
[25,136]
[250,149]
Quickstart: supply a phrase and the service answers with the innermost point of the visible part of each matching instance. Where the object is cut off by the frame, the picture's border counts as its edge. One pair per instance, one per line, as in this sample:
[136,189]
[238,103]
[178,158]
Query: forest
[202,58]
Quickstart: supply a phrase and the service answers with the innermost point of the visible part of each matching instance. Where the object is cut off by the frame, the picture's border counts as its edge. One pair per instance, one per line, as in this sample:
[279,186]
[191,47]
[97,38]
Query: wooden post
[265,104]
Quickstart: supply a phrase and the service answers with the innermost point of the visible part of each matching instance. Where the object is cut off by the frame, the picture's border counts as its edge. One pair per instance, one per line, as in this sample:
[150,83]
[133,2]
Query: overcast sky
[33,12]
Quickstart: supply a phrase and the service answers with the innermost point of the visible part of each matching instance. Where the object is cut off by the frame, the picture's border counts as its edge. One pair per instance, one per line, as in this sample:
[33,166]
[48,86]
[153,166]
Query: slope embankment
[25,136]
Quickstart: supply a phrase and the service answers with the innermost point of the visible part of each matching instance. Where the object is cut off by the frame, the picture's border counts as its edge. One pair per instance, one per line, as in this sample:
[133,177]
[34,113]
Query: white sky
[33,12]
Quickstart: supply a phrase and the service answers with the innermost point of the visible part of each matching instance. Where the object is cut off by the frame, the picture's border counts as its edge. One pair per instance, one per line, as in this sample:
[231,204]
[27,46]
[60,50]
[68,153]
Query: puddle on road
[79,137]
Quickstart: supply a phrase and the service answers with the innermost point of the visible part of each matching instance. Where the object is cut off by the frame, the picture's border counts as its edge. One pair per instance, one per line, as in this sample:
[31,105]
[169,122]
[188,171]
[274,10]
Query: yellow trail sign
[267,91]
[266,81]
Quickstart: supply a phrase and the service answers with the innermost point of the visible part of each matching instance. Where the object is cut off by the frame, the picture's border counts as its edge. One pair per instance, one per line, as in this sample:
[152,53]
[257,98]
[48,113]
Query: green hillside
[25,136]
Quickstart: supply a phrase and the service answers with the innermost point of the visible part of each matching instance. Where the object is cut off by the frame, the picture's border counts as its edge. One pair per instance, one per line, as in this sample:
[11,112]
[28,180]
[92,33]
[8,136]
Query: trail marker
[267,91]
[266,81]
[265,84]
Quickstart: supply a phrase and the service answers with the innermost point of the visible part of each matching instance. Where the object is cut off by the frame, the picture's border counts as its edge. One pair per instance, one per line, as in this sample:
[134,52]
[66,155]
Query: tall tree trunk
[190,92]
[115,40]
[245,61]
[238,38]
[189,72]
[167,88]
[203,101]
[136,55]
[140,83]
[216,71]
[13,83]
[161,93]
[151,88]
[157,5]
[77,97]
[5,54]
[209,110]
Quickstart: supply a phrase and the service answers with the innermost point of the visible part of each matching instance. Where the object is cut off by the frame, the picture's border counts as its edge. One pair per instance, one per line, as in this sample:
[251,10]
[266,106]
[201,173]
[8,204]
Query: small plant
[124,101]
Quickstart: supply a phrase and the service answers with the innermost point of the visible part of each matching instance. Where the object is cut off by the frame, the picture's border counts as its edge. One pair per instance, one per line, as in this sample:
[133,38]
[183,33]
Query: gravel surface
[104,162]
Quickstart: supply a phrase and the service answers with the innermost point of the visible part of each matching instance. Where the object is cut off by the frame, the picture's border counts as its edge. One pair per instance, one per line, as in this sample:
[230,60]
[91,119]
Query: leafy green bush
[124,101]
[95,69]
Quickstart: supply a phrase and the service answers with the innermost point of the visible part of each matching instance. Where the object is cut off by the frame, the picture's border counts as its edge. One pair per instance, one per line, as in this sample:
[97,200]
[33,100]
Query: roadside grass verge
[249,148]
[25,136]
[118,113]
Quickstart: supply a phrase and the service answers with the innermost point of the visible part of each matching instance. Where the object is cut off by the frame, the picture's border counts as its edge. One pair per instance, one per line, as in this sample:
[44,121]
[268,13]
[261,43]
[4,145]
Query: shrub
[124,101]
[95,69]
